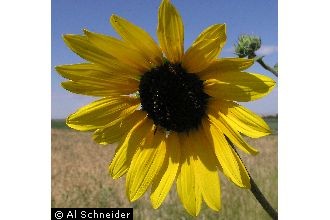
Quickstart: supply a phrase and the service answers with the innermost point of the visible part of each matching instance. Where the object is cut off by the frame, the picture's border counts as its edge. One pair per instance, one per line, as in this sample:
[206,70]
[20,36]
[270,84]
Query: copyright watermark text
[91,213]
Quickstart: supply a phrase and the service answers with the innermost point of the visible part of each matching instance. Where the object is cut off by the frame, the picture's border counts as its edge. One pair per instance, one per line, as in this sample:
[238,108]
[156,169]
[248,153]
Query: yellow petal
[166,176]
[241,119]
[187,187]
[170,32]
[231,164]
[120,50]
[233,135]
[238,86]
[88,71]
[128,146]
[81,46]
[206,170]
[225,65]
[101,112]
[205,49]
[145,165]
[101,89]
[117,129]
[138,39]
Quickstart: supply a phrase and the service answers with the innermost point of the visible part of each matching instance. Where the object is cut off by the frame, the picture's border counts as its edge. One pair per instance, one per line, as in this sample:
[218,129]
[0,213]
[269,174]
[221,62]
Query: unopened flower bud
[247,45]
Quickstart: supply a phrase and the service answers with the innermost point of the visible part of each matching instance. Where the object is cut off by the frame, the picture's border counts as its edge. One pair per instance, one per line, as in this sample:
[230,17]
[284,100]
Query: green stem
[262,200]
[256,191]
[262,63]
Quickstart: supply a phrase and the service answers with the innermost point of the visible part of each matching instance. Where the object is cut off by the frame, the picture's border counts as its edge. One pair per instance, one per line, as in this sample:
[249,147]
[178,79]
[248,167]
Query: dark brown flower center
[173,98]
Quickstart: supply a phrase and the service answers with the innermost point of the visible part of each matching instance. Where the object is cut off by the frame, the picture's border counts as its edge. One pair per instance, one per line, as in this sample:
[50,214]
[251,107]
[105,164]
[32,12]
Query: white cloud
[266,50]
[229,49]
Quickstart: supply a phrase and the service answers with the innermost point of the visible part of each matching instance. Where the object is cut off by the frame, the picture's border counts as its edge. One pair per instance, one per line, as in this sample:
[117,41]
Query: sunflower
[171,112]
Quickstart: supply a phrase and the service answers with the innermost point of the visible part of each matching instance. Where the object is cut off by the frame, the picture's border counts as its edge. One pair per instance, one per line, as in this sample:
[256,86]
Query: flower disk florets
[173,98]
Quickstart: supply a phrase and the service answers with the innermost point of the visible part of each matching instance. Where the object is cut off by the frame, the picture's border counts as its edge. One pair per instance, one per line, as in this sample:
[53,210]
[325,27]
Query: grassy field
[80,179]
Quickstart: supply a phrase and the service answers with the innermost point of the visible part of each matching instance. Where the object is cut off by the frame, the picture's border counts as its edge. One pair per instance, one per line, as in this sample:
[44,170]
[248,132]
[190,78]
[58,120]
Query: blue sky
[257,17]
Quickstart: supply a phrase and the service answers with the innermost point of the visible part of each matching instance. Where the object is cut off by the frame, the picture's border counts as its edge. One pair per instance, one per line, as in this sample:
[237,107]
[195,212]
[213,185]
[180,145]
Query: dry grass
[80,179]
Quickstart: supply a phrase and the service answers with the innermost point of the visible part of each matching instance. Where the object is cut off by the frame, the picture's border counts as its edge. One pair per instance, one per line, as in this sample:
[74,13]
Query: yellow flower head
[171,111]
